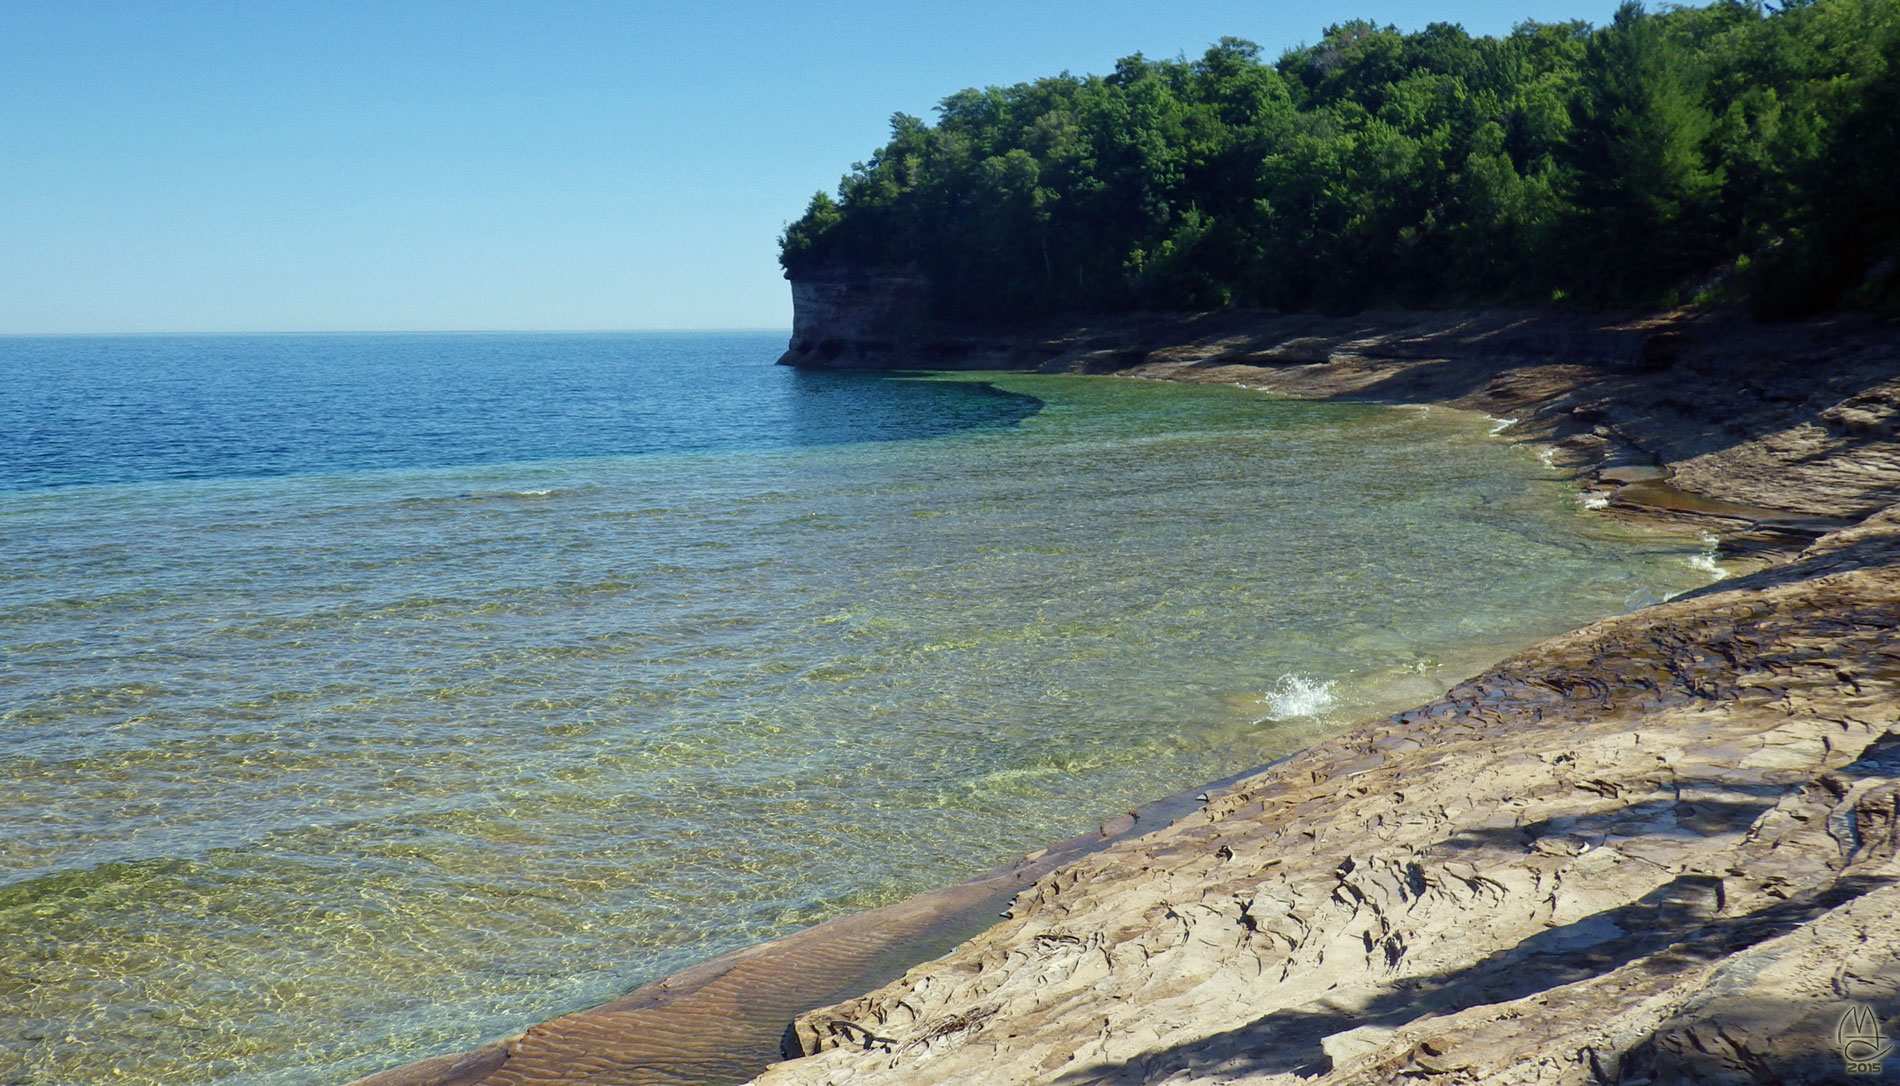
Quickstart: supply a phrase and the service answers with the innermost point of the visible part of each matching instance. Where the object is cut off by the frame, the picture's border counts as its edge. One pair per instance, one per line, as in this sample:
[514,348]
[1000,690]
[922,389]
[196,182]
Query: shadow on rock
[1672,928]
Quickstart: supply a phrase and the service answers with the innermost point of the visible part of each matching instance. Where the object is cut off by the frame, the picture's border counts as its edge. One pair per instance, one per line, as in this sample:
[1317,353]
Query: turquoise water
[363,698]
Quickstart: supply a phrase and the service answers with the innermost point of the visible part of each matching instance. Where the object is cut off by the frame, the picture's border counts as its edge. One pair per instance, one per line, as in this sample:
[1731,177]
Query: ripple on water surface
[313,771]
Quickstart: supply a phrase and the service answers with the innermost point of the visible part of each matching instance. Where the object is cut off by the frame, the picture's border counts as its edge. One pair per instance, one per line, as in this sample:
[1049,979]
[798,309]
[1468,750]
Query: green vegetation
[1732,153]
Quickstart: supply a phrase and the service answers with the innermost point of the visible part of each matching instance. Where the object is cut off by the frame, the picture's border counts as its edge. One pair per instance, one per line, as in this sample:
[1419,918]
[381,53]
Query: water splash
[1298,697]
[1500,425]
[1706,561]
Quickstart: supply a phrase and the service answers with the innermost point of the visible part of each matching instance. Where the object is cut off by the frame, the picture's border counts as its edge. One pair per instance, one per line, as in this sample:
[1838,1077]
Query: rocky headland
[1663,848]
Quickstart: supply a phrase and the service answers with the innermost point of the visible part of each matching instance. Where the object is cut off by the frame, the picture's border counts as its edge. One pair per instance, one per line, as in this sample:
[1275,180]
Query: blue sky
[188,166]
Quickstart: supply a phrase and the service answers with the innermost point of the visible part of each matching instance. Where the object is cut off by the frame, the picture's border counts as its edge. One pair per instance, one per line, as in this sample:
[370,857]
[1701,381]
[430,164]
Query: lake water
[366,697]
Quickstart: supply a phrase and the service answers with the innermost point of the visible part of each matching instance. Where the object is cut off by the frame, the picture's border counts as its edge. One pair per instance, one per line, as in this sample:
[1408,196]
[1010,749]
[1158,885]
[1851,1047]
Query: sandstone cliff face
[854,318]
[881,318]
[860,318]
[850,319]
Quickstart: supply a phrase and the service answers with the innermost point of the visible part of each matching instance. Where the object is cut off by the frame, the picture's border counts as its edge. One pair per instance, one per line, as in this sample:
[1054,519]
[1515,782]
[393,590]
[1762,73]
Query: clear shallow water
[362,698]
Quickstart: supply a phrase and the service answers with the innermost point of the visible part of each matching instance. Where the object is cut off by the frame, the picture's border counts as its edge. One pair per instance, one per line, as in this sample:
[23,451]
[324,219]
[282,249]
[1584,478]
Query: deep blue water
[109,409]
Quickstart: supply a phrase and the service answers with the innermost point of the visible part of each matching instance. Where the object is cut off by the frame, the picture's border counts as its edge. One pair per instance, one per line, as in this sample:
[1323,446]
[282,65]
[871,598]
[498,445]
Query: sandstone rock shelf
[1662,848]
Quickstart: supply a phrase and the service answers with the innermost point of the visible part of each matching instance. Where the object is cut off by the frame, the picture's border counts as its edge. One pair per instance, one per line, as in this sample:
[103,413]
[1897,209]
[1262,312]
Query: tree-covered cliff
[1738,152]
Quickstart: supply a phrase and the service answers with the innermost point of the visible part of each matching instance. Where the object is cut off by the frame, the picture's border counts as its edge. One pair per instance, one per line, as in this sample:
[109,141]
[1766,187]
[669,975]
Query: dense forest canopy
[1739,152]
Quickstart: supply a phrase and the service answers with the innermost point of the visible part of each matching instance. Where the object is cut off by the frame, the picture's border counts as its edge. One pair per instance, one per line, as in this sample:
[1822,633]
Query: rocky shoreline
[1662,848]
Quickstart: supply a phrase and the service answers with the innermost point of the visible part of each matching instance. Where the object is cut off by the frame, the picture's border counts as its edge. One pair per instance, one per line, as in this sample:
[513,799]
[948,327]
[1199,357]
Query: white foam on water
[1297,697]
[1501,425]
[495,495]
[1706,561]
[1594,501]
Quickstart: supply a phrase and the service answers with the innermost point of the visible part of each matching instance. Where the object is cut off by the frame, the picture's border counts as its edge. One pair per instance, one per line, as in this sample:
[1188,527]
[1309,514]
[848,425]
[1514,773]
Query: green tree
[1640,186]
[1741,150]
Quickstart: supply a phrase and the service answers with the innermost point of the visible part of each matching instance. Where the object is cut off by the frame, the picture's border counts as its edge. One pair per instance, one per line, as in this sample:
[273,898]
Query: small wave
[1501,425]
[1640,599]
[474,496]
[1594,501]
[1297,696]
